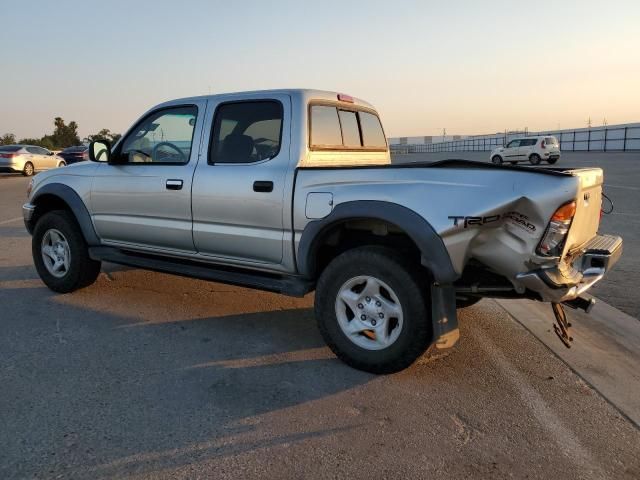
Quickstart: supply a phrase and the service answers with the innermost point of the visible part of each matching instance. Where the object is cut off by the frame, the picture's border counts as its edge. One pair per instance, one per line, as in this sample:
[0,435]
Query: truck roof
[303,94]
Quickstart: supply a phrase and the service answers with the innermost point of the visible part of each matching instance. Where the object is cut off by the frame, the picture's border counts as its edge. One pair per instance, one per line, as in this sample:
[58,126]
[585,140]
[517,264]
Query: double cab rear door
[205,178]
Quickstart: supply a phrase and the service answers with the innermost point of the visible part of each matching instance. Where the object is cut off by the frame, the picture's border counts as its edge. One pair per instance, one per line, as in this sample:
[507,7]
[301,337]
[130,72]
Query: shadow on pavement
[100,397]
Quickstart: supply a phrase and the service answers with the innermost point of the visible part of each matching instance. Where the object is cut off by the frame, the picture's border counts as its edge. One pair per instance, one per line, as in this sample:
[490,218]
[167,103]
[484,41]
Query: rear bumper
[569,280]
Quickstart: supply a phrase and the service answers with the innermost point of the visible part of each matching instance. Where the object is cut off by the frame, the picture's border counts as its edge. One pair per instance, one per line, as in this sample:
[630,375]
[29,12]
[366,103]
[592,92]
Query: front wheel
[60,253]
[534,159]
[373,309]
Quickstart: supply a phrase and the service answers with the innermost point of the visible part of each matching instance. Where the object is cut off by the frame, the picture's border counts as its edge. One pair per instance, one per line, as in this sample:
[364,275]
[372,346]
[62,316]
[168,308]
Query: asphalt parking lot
[145,375]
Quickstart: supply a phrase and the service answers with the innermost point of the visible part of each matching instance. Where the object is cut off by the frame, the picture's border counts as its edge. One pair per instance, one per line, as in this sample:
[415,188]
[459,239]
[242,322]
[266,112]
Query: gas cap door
[319,205]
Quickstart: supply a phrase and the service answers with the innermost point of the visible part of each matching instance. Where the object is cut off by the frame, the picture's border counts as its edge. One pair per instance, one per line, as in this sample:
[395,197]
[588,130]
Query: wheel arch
[433,254]
[57,196]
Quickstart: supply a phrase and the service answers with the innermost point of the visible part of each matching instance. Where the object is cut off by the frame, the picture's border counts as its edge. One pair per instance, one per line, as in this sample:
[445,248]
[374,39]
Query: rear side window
[325,126]
[246,132]
[372,133]
[332,127]
[530,142]
[33,150]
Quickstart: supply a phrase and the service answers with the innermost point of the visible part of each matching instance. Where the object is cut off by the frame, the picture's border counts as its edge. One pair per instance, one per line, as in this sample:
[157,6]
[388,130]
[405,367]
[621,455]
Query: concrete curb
[605,351]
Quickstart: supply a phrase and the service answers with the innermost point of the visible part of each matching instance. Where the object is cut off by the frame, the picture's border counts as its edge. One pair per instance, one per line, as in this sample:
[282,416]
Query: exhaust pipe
[581,303]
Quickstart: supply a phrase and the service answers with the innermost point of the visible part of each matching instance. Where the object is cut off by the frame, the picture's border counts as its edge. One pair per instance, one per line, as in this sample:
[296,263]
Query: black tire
[83,271]
[534,159]
[408,284]
[497,159]
[62,164]
[467,301]
[28,169]
[552,161]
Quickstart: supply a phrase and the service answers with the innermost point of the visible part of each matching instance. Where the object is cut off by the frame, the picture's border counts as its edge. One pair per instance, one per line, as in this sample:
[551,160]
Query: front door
[511,151]
[239,192]
[143,197]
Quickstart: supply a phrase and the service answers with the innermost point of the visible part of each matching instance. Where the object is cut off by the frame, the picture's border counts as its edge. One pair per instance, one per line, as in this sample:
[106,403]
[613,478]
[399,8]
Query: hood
[85,168]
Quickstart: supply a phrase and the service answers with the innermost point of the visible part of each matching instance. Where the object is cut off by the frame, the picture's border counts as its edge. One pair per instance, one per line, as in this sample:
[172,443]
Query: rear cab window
[334,127]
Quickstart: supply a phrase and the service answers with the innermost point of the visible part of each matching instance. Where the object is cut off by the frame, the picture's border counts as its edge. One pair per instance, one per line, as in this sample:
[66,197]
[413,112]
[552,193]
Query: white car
[28,159]
[531,149]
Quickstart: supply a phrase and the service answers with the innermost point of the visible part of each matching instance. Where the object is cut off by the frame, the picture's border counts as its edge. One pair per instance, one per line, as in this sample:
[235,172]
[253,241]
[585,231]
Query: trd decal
[513,217]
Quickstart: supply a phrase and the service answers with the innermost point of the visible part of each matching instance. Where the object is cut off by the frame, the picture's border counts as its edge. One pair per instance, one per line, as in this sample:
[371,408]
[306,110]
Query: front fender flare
[76,205]
[434,254]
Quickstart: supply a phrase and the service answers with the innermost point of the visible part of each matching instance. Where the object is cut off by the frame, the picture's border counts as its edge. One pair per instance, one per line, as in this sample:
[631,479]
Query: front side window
[513,144]
[246,132]
[165,136]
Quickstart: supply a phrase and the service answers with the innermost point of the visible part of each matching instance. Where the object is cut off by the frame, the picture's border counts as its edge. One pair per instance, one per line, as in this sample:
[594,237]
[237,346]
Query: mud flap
[443,316]
[562,325]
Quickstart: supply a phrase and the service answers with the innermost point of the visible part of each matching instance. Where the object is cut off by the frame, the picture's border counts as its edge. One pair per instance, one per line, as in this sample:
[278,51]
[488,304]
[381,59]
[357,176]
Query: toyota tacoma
[293,191]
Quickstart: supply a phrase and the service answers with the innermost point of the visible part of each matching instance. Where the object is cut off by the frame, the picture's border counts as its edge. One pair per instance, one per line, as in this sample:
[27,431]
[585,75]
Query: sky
[468,66]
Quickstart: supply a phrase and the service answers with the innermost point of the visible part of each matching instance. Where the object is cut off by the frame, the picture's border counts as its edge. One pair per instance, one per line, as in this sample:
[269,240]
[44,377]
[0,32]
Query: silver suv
[293,191]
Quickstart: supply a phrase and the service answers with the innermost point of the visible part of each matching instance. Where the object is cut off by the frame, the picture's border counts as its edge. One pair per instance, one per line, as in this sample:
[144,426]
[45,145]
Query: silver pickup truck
[293,191]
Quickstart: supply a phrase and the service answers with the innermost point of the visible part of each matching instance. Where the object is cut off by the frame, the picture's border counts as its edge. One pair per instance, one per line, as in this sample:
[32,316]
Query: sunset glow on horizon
[426,66]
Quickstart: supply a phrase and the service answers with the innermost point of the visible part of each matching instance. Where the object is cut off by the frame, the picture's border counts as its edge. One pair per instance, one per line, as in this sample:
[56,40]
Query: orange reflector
[345,98]
[565,212]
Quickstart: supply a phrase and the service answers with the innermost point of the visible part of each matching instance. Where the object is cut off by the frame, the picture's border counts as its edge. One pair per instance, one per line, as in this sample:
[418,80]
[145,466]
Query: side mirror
[51,153]
[99,151]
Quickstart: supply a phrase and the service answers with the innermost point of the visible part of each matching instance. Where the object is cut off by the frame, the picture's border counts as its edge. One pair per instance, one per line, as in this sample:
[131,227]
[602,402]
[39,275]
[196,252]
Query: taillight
[85,155]
[9,155]
[554,237]
[542,145]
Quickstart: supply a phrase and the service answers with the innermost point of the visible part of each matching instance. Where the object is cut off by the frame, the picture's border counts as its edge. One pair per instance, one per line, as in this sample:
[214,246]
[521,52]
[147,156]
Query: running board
[286,285]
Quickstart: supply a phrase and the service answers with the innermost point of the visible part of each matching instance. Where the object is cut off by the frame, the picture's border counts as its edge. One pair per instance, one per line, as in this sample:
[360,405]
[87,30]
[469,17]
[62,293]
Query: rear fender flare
[433,252]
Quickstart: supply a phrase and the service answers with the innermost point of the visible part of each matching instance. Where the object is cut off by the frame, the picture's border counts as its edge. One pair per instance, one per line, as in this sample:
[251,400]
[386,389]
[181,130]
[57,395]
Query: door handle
[263,186]
[174,184]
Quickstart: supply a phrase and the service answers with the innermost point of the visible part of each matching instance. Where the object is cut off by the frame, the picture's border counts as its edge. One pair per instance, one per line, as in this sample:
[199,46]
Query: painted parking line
[625,187]
[11,220]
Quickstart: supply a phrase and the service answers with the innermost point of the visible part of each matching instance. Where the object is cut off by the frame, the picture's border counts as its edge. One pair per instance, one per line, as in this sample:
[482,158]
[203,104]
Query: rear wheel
[497,159]
[60,253]
[534,159]
[28,169]
[373,311]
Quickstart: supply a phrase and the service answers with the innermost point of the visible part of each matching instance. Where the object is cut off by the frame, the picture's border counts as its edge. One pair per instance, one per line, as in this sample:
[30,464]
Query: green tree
[7,139]
[103,135]
[64,135]
[40,142]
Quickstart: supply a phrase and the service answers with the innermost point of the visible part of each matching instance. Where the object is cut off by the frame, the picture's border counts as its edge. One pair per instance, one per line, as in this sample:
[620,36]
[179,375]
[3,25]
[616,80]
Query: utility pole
[604,122]
[589,122]
[444,134]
